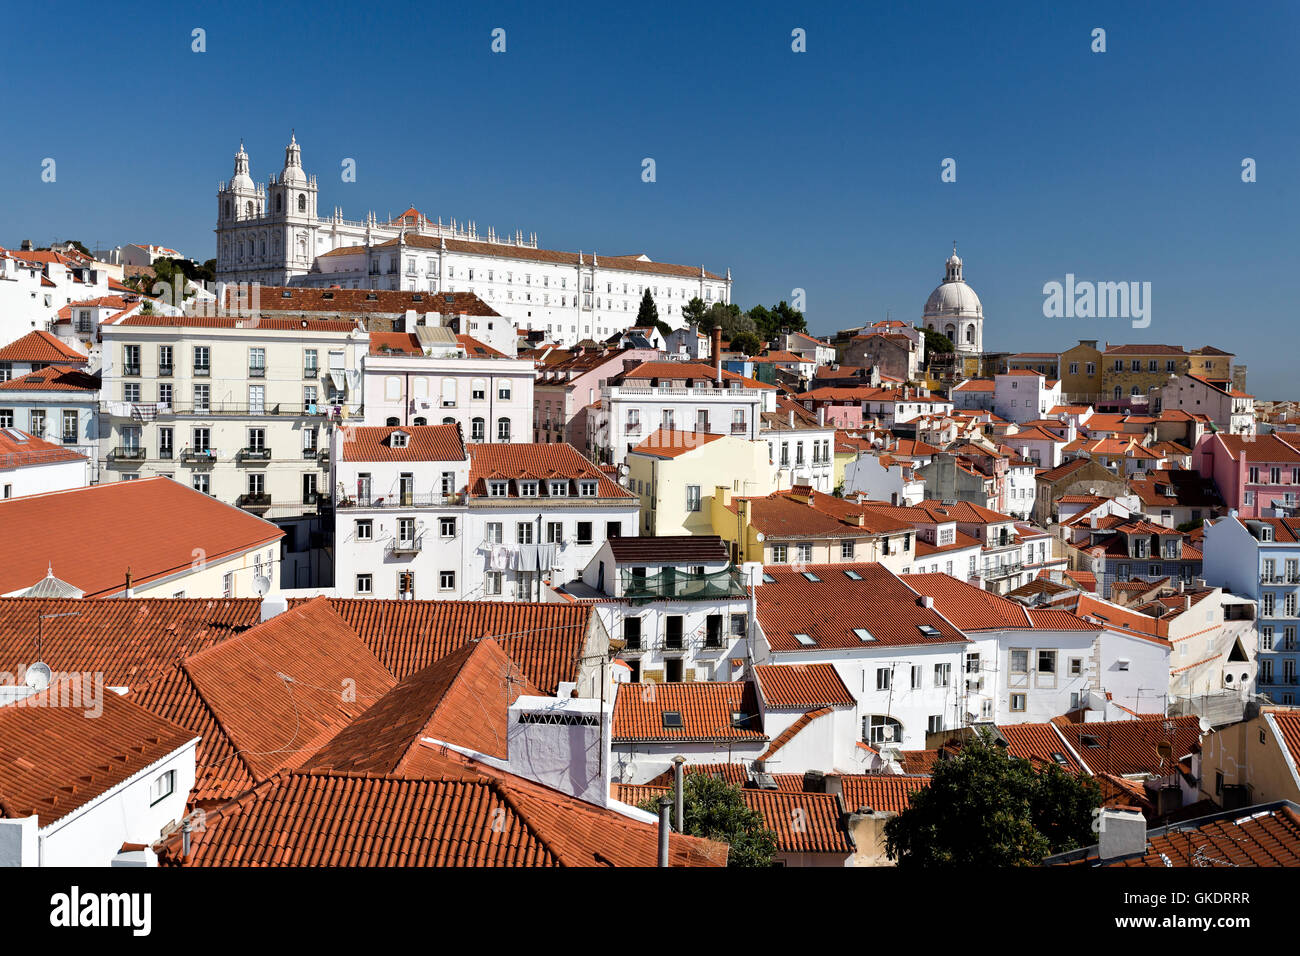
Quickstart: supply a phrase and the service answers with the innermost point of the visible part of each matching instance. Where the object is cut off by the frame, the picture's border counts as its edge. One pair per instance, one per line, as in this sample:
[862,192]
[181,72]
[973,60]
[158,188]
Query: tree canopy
[937,342]
[986,808]
[716,810]
[648,313]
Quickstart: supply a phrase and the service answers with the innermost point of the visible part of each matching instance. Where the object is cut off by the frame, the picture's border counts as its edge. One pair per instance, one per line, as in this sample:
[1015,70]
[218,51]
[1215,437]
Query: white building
[421,515]
[955,310]
[273,234]
[34,286]
[59,403]
[685,396]
[238,408]
[29,465]
[1022,395]
[434,377]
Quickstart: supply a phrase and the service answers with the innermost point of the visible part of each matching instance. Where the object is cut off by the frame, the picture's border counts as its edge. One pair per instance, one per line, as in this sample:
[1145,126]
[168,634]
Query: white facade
[236,408]
[1024,396]
[66,416]
[955,310]
[875,480]
[273,234]
[33,290]
[19,478]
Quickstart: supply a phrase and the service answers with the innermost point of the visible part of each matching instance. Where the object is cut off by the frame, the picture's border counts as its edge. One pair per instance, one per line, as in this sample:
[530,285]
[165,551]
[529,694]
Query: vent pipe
[665,805]
[679,808]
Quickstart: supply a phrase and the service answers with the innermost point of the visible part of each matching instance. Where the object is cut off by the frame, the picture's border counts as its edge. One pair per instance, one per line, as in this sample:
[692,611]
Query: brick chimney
[716,346]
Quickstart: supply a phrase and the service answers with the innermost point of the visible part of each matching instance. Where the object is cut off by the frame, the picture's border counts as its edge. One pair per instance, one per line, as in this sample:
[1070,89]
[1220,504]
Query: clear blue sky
[818,170]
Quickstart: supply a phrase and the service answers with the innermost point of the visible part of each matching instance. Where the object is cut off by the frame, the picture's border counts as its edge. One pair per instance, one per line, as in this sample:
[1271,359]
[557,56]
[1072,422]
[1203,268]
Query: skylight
[853,575]
[808,575]
[928,630]
[768,579]
[863,634]
[672,719]
[804,639]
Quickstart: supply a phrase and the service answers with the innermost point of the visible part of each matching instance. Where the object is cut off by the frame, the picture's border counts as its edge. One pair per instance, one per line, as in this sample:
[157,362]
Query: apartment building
[1230,409]
[237,408]
[58,403]
[30,465]
[433,376]
[565,390]
[420,514]
[1023,395]
[1255,474]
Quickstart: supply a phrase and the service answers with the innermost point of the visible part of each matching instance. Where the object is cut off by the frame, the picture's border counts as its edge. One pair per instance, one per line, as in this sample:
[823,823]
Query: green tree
[746,342]
[693,312]
[648,313]
[783,317]
[986,808]
[716,810]
[936,342]
[729,318]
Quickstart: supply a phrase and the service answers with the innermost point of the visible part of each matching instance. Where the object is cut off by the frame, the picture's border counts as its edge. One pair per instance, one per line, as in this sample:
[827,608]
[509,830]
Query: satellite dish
[261,584]
[38,676]
[760,537]
[623,469]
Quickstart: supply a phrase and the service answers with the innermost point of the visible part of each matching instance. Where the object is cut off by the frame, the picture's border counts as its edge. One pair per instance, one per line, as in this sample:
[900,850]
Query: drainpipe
[665,804]
[679,809]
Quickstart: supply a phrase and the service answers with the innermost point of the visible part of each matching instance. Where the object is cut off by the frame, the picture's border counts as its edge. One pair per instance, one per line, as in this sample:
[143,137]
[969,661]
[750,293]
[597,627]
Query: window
[587,488]
[202,483]
[164,785]
[130,392]
[934,723]
[446,580]
[1018,703]
[494,532]
[477,429]
[779,554]
[1076,666]
[555,532]
[884,677]
[558,488]
[447,527]
[584,532]
[1047,662]
[803,552]
[692,497]
[492,582]
[528,488]
[846,549]
[309,488]
[365,584]
[917,672]
[878,729]
[523,532]
[202,360]
[1019,660]
[942,674]
[503,429]
[503,391]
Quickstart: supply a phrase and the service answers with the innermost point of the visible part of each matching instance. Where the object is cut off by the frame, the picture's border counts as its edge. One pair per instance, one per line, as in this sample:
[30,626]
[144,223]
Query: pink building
[564,390]
[1251,472]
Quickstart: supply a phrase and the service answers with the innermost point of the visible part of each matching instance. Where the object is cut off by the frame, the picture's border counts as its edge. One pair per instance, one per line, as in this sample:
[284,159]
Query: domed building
[955,310]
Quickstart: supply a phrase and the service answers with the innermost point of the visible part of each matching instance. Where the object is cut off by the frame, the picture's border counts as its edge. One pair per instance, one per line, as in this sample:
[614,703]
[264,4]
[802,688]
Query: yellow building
[675,474]
[1081,373]
[1252,761]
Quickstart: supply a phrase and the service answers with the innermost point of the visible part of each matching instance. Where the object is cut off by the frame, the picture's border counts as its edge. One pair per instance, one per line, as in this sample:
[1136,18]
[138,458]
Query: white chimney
[547,735]
[1123,832]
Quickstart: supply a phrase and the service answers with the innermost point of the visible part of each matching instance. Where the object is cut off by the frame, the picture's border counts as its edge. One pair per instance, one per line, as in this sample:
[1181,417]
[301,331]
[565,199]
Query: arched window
[248,208]
[476,429]
[302,202]
[449,421]
[950,330]
[970,334]
[503,429]
[1119,392]
[1135,390]
[279,203]
[421,420]
[878,729]
[392,422]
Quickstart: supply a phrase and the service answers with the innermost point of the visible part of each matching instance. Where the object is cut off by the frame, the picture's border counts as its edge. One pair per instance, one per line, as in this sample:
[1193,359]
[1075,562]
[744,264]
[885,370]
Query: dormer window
[498,489]
[399,439]
[1265,533]
[528,489]
[587,488]
[559,489]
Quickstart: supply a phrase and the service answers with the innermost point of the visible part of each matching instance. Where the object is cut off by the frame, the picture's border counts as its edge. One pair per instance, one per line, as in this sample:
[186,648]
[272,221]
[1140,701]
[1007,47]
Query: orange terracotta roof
[827,611]
[802,686]
[672,443]
[470,815]
[539,461]
[705,708]
[423,443]
[802,822]
[1040,745]
[684,371]
[53,378]
[546,639]
[57,754]
[1130,746]
[41,346]
[19,449]
[448,701]
[881,792]
[916,762]
[129,641]
[391,301]
[261,323]
[1233,838]
[52,529]
[793,731]
[267,699]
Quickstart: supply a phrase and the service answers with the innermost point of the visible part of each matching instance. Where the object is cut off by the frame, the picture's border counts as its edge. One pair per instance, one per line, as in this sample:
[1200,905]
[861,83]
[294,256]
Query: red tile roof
[127,640]
[670,443]
[1039,744]
[477,817]
[802,822]
[267,699]
[345,301]
[828,610]
[57,754]
[705,707]
[793,731]
[424,443]
[40,346]
[1262,448]
[461,699]
[881,792]
[18,449]
[684,371]
[802,686]
[539,461]
[53,378]
[51,530]
[1264,837]
[1130,746]
[546,639]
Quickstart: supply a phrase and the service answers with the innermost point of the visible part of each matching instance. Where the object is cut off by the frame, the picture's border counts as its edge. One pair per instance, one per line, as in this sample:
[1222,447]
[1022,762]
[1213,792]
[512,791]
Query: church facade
[954,310]
[273,234]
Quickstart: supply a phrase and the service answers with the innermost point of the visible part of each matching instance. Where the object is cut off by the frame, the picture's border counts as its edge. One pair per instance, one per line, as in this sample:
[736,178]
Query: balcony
[165,371]
[739,428]
[258,504]
[672,584]
[309,453]
[128,453]
[203,370]
[254,454]
[165,452]
[131,369]
[406,546]
[398,500]
[1001,570]
[257,371]
[199,456]
[268,409]
[69,439]
[311,371]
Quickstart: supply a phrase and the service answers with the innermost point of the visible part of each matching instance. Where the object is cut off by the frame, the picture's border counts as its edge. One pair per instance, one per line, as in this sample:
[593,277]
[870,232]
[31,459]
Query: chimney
[185,838]
[716,345]
[679,797]
[925,601]
[1123,832]
[665,804]
[130,591]
[821,415]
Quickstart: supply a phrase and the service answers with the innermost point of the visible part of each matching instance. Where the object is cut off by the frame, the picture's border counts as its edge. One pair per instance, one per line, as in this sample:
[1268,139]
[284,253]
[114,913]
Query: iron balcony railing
[255,454]
[165,370]
[254,502]
[257,371]
[199,455]
[1001,570]
[398,500]
[407,545]
[672,584]
[128,453]
[253,409]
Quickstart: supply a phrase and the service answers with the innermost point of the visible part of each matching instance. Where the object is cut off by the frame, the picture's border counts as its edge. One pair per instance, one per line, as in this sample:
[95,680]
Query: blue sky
[818,170]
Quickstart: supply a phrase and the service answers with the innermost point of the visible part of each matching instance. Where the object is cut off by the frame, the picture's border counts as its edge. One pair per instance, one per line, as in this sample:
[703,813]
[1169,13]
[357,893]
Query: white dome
[954,298]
